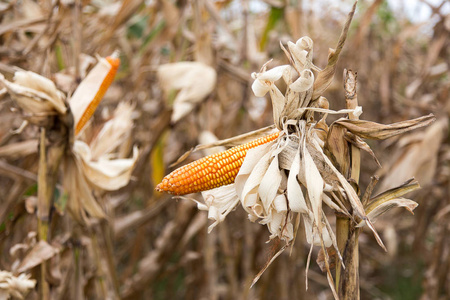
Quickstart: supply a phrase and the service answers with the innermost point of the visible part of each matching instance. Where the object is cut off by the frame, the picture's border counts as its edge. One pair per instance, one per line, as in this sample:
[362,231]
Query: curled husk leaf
[91,90]
[36,95]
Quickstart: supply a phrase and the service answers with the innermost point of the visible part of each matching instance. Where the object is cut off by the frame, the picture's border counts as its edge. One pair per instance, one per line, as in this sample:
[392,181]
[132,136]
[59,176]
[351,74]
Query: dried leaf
[304,82]
[19,149]
[360,144]
[265,80]
[80,197]
[333,241]
[249,178]
[325,77]
[352,197]
[407,187]
[338,148]
[255,280]
[280,203]
[302,53]
[379,208]
[278,104]
[376,131]
[41,252]
[298,95]
[418,158]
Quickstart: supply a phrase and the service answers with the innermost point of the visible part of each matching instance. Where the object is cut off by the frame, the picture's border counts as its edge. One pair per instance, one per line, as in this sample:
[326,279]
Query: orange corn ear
[211,171]
[114,62]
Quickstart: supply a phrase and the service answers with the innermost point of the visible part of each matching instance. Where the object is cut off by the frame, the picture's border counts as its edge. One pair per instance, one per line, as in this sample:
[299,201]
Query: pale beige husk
[36,95]
[97,165]
[15,286]
[88,88]
[193,82]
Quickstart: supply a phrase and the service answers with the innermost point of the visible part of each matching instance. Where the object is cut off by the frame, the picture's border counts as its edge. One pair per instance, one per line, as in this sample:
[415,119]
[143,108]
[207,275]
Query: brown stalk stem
[347,281]
[52,145]
[100,272]
[43,210]
[77,290]
[109,255]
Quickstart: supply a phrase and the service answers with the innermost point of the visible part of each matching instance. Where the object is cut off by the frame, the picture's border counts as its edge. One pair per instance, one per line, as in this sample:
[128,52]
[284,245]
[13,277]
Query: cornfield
[316,132]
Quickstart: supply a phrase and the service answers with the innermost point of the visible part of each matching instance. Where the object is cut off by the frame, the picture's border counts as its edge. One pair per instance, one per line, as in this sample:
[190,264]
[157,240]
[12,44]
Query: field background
[154,247]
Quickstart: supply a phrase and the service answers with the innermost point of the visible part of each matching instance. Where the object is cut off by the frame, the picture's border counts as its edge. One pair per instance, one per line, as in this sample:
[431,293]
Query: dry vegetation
[150,246]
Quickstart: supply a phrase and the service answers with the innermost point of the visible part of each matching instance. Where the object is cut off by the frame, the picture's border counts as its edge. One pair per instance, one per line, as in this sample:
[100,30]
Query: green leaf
[157,160]
[276,14]
[136,30]
[61,203]
[153,33]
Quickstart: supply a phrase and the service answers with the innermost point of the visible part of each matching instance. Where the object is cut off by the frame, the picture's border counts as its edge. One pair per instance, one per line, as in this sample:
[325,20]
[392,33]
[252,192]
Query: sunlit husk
[90,89]
[219,202]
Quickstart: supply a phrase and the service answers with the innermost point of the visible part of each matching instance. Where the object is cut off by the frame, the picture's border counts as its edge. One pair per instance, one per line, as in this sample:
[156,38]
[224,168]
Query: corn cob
[114,61]
[211,171]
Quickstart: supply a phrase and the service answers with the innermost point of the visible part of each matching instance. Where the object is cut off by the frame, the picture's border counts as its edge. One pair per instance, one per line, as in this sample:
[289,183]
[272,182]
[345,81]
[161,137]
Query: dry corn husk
[97,165]
[105,173]
[15,286]
[36,95]
[192,80]
[91,166]
[87,89]
[38,254]
[81,202]
[115,131]
[101,166]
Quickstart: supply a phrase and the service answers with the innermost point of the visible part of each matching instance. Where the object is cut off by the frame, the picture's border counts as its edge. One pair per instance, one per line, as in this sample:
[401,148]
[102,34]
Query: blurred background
[154,247]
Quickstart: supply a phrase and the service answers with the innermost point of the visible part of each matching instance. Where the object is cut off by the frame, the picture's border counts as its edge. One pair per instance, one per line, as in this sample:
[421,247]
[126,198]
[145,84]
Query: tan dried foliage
[136,244]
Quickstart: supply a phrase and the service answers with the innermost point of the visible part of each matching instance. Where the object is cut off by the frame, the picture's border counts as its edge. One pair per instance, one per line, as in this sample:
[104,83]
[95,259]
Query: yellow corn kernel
[114,61]
[211,171]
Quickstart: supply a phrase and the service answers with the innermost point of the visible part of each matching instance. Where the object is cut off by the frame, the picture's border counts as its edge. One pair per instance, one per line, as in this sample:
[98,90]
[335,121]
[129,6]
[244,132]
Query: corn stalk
[347,280]
[53,142]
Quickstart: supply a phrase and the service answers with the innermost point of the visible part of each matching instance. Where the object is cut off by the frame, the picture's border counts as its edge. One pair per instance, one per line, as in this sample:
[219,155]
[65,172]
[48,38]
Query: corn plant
[88,159]
[284,179]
